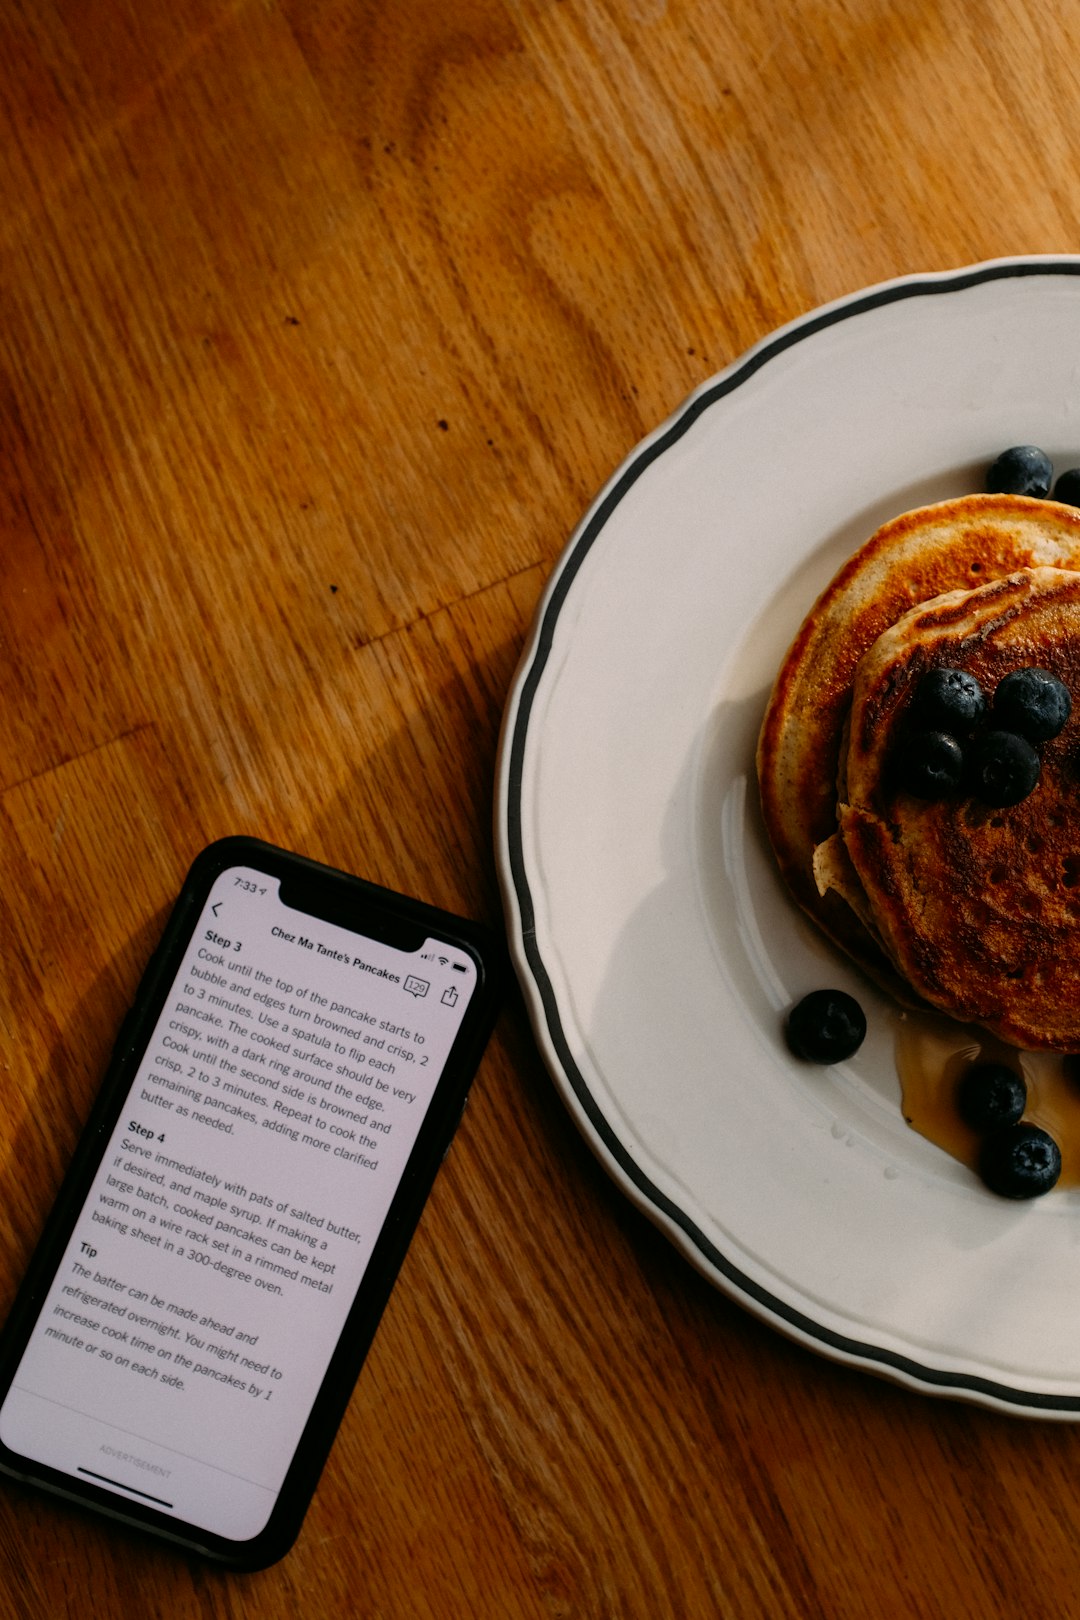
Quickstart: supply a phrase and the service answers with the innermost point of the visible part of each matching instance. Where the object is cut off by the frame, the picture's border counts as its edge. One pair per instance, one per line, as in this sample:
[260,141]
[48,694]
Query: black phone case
[382,914]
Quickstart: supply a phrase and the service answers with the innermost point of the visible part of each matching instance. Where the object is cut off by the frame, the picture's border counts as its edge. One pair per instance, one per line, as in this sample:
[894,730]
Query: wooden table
[321,325]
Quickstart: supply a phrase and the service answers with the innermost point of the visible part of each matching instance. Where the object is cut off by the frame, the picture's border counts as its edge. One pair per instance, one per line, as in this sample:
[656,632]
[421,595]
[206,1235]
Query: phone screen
[188,1327]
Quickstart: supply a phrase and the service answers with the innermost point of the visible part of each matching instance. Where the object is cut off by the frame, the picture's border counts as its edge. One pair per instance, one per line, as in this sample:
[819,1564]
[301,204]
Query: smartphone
[278,1102]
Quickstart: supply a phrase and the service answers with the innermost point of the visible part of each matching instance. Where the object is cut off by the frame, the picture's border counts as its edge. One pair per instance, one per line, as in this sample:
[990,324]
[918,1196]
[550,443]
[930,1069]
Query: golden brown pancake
[978,908]
[953,545]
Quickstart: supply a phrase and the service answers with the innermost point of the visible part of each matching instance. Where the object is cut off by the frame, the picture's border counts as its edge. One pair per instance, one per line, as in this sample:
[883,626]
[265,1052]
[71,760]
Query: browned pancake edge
[921,554]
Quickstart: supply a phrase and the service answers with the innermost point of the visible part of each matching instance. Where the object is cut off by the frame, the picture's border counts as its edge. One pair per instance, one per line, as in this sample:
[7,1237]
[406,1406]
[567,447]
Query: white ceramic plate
[656,947]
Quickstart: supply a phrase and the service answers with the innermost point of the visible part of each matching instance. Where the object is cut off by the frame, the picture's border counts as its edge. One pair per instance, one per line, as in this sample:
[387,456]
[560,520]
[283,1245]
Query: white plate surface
[656,947]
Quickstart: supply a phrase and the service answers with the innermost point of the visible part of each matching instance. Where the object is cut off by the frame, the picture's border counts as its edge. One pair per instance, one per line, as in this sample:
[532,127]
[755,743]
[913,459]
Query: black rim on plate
[740,1285]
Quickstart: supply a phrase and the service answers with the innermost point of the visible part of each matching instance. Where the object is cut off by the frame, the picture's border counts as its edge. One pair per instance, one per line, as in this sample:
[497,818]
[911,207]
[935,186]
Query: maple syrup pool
[932,1053]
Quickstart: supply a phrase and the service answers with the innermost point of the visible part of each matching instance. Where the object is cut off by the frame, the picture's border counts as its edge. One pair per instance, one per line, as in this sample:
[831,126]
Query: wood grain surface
[322,321]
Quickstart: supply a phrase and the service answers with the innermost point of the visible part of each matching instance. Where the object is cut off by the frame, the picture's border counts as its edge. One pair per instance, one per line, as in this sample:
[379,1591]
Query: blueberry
[928,764]
[826,1026]
[1033,703]
[1002,768]
[1021,1161]
[991,1095]
[948,700]
[1067,488]
[1022,470]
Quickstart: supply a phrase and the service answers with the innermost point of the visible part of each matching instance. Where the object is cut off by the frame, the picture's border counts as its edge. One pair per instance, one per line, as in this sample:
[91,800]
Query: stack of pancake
[971,909]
